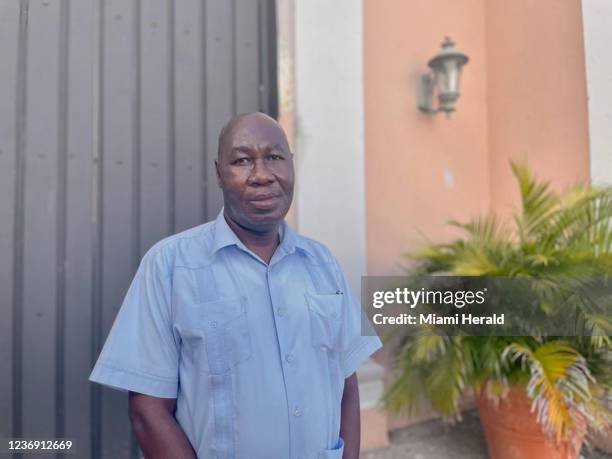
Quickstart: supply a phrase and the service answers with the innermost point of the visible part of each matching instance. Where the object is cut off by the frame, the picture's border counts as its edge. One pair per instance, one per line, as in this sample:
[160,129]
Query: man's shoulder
[184,237]
[318,251]
[180,248]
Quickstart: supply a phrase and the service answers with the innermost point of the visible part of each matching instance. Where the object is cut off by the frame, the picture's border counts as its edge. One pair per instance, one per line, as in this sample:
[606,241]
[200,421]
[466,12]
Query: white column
[329,141]
[597,17]
[329,129]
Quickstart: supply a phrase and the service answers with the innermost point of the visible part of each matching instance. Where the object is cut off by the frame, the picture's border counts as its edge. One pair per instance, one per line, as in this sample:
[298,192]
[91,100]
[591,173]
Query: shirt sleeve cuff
[366,346]
[135,381]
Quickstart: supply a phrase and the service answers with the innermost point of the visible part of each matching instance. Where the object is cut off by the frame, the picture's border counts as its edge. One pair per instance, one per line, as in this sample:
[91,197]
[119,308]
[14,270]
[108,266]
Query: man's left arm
[358,342]
[350,422]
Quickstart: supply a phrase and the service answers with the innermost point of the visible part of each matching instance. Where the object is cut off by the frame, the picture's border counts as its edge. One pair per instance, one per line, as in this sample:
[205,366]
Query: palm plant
[553,236]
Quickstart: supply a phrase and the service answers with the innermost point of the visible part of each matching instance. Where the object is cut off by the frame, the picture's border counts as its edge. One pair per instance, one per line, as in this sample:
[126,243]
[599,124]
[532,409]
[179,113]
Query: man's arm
[158,433]
[350,422]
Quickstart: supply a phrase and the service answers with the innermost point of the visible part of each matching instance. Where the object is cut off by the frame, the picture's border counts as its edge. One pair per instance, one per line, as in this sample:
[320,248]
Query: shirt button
[289,358]
[280,312]
[297,412]
[213,323]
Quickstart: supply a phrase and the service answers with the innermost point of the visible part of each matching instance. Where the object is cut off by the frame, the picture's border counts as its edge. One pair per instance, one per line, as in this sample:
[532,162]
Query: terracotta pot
[511,430]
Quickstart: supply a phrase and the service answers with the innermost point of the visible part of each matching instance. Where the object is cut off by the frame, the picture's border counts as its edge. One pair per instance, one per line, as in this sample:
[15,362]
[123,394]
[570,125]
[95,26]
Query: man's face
[255,172]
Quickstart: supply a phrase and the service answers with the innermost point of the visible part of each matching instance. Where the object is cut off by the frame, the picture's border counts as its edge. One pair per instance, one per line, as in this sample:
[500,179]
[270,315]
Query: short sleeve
[141,353]
[359,339]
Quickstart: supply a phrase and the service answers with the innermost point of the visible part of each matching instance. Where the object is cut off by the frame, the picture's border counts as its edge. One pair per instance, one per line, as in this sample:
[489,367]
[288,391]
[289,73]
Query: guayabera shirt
[256,354]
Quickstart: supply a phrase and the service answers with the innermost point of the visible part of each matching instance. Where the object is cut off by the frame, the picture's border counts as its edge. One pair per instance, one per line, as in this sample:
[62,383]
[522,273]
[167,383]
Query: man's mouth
[263,201]
[265,197]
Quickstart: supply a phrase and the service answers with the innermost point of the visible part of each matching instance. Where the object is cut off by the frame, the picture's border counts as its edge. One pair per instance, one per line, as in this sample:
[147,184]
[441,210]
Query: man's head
[255,171]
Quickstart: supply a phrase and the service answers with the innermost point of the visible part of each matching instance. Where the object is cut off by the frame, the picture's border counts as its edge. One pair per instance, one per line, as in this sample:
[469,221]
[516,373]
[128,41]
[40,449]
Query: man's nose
[260,174]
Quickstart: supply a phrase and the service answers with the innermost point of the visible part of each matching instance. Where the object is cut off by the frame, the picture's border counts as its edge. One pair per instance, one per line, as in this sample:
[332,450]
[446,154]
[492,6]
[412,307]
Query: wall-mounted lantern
[443,80]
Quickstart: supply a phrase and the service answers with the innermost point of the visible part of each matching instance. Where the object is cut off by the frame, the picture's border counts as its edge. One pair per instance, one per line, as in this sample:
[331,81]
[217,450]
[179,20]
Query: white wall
[329,129]
[597,21]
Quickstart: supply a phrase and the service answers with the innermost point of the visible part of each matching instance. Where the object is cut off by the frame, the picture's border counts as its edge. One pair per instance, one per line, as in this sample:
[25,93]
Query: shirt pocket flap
[211,313]
[325,313]
[328,306]
[215,334]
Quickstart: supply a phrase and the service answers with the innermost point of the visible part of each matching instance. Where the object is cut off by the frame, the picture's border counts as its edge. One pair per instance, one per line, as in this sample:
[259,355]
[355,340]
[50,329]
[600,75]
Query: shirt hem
[128,380]
[355,357]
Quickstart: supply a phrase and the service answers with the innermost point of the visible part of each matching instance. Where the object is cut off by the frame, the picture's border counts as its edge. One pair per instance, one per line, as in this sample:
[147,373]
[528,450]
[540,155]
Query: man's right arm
[158,433]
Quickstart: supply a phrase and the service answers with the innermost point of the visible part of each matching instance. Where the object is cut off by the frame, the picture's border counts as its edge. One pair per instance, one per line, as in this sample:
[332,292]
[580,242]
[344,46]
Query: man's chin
[267,216]
[263,218]
[259,219]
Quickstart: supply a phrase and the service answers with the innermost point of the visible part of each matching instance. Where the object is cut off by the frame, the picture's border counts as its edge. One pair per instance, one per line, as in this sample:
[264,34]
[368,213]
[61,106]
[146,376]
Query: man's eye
[275,157]
[240,161]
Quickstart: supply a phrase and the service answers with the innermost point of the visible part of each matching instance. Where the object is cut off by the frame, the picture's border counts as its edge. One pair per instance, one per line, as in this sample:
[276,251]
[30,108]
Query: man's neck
[261,243]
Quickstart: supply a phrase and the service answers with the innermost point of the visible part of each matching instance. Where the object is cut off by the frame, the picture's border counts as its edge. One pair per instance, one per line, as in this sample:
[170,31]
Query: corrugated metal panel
[109,116]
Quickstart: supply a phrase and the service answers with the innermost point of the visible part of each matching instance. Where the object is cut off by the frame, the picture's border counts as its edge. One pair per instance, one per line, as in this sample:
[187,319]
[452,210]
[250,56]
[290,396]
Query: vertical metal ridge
[171,114]
[273,62]
[20,164]
[234,44]
[136,155]
[204,116]
[261,62]
[270,30]
[136,139]
[97,203]
[267,42]
[62,145]
[136,158]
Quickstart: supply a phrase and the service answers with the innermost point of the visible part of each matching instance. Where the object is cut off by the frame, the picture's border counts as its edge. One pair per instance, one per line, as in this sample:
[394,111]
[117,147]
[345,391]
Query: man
[240,338]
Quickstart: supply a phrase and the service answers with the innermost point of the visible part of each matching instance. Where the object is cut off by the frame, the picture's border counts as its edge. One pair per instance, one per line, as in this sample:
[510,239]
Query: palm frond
[445,382]
[559,242]
[558,374]
[538,202]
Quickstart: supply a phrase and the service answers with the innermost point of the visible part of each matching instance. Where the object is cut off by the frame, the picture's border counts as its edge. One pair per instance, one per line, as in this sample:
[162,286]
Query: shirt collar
[292,240]
[224,236]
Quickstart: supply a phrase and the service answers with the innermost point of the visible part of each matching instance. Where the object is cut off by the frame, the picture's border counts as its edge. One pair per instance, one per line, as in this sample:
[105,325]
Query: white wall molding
[596,19]
[329,127]
[329,141]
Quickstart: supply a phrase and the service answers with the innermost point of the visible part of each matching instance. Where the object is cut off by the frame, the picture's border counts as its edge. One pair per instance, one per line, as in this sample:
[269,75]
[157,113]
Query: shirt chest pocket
[216,334]
[325,312]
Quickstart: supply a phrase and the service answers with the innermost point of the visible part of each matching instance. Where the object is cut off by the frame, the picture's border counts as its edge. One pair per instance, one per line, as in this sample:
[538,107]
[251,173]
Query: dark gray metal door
[109,115]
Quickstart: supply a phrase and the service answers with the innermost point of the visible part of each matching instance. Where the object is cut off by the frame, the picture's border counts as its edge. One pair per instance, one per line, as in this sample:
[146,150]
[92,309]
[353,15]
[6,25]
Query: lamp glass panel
[448,80]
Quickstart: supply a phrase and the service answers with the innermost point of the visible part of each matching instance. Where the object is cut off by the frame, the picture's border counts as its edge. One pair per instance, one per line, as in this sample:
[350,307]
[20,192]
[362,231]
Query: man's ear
[218,175]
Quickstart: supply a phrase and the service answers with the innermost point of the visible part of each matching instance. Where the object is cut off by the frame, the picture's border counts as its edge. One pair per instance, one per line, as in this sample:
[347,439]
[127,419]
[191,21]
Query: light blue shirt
[256,354]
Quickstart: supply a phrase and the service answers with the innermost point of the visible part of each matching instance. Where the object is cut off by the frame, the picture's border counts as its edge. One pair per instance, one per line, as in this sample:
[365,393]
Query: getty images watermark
[487,306]
[413,298]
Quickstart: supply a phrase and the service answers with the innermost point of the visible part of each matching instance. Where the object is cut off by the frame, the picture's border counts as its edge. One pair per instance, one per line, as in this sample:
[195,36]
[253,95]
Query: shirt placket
[290,359]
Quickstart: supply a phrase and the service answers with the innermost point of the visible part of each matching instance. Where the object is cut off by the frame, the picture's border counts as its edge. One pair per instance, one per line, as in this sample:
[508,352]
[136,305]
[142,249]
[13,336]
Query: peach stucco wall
[408,153]
[537,101]
[523,96]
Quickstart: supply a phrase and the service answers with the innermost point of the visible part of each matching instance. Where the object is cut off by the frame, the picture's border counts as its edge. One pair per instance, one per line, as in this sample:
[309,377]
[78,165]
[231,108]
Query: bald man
[240,338]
